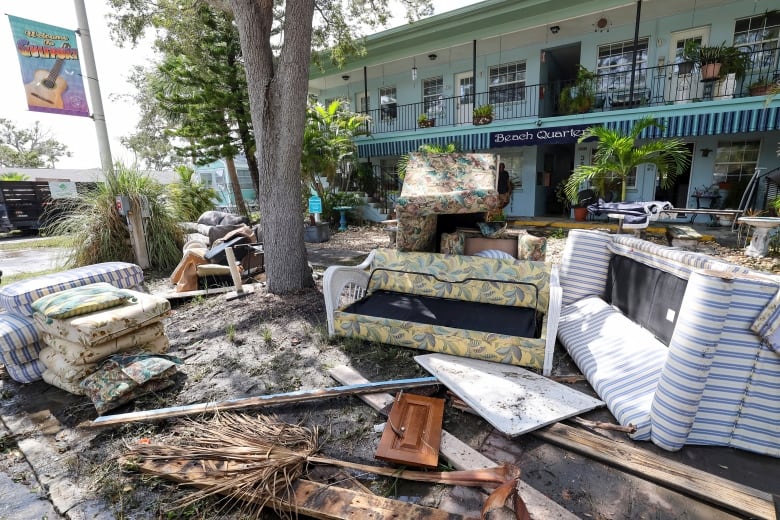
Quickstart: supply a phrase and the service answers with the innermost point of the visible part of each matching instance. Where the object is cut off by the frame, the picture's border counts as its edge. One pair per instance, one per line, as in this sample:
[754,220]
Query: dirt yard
[266,344]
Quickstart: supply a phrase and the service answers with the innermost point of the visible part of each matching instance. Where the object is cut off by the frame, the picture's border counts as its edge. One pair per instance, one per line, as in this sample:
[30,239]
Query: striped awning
[467,142]
[733,122]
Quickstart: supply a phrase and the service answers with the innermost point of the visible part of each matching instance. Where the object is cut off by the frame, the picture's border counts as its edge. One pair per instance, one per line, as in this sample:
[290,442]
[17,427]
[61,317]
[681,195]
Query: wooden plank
[461,455]
[414,437]
[312,499]
[265,400]
[689,481]
[514,400]
[172,295]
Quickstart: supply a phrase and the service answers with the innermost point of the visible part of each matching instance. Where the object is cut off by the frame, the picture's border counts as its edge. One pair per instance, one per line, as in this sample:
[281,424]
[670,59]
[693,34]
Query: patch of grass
[17,245]
[267,336]
[11,278]
[231,333]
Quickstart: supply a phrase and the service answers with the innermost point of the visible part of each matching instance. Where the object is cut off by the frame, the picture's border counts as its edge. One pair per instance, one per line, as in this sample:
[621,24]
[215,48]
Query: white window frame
[388,103]
[507,78]
[433,96]
[760,36]
[735,160]
[613,65]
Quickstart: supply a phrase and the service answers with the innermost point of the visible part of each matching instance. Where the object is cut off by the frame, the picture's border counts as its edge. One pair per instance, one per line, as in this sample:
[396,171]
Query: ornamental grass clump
[100,233]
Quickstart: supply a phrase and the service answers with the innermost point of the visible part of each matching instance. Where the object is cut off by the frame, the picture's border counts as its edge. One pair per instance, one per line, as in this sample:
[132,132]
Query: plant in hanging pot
[482,115]
[716,61]
[423,121]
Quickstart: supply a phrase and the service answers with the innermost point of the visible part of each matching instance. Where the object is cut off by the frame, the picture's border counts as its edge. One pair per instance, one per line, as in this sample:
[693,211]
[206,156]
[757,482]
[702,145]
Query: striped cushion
[26,372]
[17,333]
[494,253]
[584,265]
[19,296]
[623,373]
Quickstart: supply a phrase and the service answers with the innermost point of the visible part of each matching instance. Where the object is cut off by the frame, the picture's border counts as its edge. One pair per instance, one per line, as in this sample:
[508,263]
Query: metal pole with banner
[51,73]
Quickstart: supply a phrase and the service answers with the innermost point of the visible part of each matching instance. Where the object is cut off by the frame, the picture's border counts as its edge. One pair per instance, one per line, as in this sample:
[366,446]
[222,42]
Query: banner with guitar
[51,72]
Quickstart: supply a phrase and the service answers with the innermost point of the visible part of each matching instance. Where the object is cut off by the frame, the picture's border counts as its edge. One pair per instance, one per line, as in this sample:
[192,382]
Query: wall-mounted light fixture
[414,69]
[705,152]
[432,57]
[345,77]
[554,29]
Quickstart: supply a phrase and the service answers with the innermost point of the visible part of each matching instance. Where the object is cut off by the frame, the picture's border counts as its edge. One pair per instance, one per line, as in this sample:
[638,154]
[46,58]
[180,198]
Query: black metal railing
[652,86]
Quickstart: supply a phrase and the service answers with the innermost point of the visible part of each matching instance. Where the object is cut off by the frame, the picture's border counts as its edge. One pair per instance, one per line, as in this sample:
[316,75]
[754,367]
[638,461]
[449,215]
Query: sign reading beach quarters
[537,136]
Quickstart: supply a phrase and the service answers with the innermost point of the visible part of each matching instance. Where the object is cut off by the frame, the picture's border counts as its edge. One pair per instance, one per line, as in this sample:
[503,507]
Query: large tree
[276,41]
[29,148]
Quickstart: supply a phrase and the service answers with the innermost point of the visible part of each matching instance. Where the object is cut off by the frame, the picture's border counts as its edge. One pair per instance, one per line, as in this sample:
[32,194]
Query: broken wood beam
[298,396]
[684,479]
[313,499]
[459,454]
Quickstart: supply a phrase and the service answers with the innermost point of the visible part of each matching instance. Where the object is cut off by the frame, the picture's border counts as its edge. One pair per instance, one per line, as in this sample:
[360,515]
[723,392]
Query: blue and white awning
[734,122]
[693,125]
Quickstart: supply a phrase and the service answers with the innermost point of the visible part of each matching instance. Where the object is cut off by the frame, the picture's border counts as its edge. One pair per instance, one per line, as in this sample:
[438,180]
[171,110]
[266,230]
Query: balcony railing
[654,86]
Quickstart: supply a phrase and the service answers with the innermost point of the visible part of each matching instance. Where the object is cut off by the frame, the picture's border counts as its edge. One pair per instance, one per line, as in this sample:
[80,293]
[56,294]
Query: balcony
[655,86]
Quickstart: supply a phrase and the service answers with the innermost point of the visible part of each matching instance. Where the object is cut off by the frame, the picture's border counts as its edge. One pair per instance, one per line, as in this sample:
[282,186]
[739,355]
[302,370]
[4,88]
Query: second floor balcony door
[684,84]
[464,83]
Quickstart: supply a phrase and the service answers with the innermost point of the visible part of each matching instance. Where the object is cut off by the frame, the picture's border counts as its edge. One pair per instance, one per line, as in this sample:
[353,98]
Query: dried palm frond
[257,459]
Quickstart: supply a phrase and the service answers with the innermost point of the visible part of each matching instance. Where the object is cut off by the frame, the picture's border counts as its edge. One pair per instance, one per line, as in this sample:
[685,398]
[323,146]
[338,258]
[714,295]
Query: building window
[614,65]
[507,82]
[735,161]
[387,103]
[760,36]
[433,95]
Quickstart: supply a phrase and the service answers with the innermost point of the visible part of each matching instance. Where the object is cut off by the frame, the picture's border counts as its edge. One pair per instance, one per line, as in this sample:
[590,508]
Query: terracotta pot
[427,123]
[482,120]
[580,214]
[760,90]
[710,71]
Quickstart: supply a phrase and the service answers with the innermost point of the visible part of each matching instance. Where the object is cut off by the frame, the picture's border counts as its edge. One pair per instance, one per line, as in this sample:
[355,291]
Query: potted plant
[581,96]
[760,87]
[423,121]
[483,115]
[716,61]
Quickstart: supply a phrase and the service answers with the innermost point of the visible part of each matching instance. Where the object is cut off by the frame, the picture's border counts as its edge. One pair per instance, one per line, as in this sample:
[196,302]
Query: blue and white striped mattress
[27,372]
[19,347]
[621,360]
[18,297]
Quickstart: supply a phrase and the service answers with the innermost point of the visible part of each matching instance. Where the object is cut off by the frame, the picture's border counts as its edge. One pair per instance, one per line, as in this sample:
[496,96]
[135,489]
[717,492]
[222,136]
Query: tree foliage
[618,154]
[277,39]
[329,146]
[29,148]
[13,176]
[189,198]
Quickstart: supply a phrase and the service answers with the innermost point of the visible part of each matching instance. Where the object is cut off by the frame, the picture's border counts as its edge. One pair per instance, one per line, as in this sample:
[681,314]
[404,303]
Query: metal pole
[633,59]
[94,89]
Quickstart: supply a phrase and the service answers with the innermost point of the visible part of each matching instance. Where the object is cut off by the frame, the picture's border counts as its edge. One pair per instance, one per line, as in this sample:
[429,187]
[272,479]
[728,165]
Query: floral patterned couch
[501,310]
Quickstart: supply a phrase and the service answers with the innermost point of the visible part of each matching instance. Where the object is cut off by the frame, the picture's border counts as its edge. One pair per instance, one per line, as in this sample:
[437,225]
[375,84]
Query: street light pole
[98,116]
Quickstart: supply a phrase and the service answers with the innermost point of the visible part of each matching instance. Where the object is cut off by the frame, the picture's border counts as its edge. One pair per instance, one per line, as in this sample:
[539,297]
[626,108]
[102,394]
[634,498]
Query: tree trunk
[278,104]
[238,196]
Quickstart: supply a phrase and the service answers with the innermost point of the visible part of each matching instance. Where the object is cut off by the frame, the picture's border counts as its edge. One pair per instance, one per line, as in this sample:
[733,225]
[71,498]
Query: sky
[113,66]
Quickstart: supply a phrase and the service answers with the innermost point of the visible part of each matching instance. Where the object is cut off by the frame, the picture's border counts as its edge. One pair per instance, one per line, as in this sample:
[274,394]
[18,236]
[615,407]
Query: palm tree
[617,156]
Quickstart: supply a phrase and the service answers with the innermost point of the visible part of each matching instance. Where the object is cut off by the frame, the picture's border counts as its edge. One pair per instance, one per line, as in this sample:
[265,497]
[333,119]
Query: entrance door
[677,193]
[684,84]
[464,105]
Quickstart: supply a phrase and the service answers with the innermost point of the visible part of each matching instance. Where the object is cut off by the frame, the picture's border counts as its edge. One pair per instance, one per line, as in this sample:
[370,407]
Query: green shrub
[190,199]
[100,234]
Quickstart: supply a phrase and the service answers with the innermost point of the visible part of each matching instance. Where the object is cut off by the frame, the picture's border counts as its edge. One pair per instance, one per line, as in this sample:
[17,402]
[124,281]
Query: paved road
[30,260]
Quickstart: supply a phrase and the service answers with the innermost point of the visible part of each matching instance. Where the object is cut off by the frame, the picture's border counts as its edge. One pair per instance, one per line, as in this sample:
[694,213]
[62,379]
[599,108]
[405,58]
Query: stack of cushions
[20,342]
[82,326]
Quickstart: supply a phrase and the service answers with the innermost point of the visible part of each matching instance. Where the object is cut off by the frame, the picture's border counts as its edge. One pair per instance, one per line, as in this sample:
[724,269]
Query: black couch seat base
[482,317]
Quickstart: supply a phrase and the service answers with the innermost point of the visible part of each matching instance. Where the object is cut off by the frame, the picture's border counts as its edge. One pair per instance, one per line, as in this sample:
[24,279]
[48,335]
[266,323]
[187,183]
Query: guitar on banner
[47,86]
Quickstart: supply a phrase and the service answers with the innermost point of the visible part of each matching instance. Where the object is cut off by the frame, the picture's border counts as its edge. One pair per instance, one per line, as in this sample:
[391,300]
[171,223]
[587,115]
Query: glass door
[464,105]
[684,84]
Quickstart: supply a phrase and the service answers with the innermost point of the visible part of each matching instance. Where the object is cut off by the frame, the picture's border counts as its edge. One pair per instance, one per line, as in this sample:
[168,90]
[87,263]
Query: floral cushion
[106,325]
[121,379]
[81,300]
